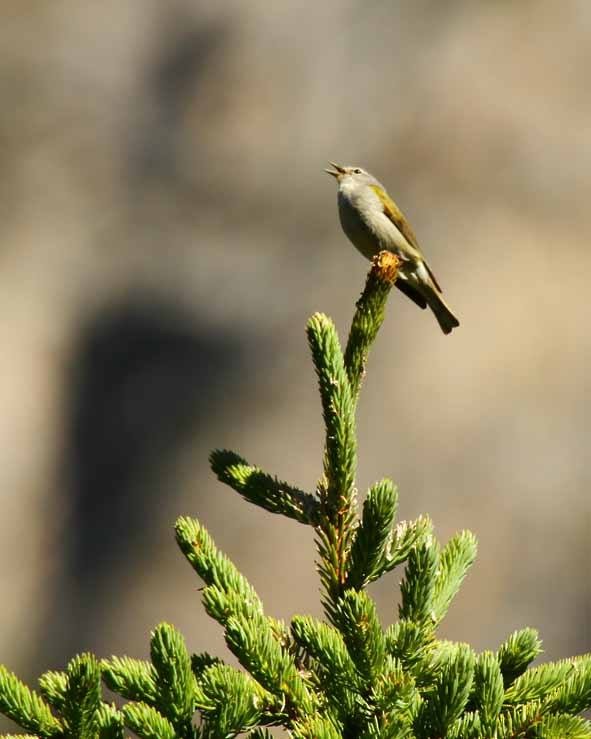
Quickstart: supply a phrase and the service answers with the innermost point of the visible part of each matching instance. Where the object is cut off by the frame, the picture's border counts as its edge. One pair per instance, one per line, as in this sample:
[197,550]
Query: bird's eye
[357,170]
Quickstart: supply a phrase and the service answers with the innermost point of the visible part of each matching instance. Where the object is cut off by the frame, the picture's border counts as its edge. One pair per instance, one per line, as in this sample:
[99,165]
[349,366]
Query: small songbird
[373,222]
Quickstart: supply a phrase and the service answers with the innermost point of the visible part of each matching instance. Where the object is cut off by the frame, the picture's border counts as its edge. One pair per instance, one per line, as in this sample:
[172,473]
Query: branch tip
[385,267]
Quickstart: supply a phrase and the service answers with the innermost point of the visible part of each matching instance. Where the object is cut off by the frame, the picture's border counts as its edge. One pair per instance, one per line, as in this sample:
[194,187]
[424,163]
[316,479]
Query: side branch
[263,489]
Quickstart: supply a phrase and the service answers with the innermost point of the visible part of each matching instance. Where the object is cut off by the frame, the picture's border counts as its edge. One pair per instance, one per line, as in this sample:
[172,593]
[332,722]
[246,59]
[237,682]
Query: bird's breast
[356,228]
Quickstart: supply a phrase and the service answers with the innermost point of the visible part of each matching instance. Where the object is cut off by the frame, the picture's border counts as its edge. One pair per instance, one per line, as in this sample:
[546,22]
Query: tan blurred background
[166,230]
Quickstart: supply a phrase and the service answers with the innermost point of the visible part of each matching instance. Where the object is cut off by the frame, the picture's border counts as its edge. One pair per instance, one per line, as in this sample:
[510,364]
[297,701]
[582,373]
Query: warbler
[373,222]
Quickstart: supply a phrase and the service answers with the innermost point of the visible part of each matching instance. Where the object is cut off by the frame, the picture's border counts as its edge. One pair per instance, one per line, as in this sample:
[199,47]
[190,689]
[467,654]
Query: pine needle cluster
[345,676]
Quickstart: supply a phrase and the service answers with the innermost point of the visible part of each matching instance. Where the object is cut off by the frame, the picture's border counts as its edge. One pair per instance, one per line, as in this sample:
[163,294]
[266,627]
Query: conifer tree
[344,676]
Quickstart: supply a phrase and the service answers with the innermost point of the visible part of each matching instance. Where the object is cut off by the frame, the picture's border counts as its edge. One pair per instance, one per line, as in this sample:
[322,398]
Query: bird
[373,222]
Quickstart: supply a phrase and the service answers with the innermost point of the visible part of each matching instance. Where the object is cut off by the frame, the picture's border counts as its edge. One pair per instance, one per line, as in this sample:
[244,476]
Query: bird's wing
[411,293]
[432,276]
[393,212]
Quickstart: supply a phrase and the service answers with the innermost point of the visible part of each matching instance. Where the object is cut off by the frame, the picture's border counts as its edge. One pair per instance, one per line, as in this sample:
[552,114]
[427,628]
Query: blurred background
[166,229]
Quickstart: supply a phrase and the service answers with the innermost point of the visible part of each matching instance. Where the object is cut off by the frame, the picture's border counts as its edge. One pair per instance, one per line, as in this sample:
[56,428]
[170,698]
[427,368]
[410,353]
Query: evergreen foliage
[346,676]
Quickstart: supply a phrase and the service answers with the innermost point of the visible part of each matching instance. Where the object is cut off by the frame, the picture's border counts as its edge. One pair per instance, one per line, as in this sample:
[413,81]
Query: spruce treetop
[347,676]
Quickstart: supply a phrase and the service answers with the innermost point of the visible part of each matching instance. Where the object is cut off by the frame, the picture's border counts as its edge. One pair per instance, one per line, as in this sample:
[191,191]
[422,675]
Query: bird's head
[350,176]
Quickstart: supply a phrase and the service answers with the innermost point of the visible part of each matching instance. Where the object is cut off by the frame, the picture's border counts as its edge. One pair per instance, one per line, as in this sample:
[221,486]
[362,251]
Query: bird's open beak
[336,170]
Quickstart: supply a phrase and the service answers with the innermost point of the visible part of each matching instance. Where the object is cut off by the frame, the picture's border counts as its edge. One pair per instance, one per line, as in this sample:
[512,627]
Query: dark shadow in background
[143,381]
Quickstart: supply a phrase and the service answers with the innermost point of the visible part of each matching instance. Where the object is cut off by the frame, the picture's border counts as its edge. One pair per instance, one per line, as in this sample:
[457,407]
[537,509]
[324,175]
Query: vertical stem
[369,316]
[340,379]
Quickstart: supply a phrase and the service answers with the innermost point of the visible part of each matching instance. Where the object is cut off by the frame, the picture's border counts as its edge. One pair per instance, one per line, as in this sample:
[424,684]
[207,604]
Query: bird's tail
[445,318]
